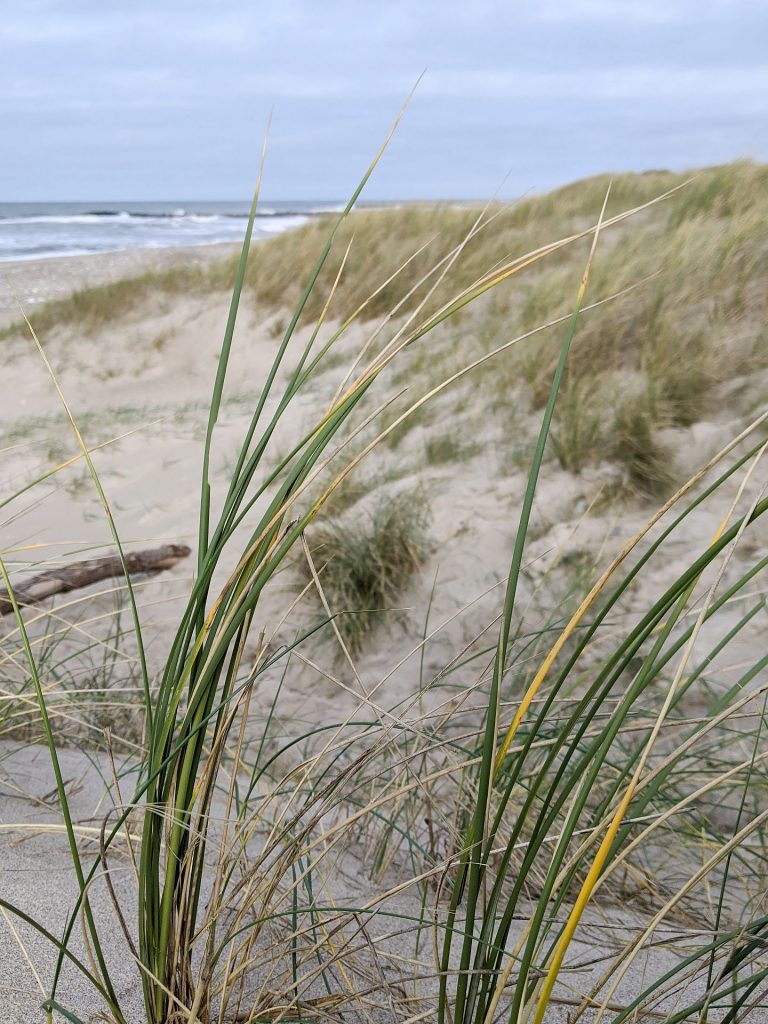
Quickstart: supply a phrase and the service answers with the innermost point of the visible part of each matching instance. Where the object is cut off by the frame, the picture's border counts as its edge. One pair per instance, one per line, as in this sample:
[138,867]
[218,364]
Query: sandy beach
[138,387]
[31,282]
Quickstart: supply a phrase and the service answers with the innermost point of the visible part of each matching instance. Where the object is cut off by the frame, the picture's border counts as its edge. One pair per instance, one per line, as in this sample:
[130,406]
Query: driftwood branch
[92,570]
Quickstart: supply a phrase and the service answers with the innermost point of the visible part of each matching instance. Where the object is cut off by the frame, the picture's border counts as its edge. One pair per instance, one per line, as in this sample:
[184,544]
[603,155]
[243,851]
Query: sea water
[40,230]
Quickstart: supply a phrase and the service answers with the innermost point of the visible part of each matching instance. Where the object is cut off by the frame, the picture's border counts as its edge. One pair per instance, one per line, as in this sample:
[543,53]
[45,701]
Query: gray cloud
[169,99]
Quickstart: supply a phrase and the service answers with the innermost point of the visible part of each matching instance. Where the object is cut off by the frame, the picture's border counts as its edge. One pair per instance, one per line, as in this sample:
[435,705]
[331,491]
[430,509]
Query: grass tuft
[579,430]
[367,560]
[94,307]
[647,463]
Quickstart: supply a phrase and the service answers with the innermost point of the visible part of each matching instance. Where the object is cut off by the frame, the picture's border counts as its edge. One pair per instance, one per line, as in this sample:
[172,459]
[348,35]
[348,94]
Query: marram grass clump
[365,561]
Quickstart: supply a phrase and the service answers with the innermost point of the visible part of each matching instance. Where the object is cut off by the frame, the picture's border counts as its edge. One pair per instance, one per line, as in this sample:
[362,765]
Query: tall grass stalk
[516,784]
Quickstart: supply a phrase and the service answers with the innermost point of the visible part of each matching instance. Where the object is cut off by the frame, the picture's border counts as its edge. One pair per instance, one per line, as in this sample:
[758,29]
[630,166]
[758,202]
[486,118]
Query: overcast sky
[168,99]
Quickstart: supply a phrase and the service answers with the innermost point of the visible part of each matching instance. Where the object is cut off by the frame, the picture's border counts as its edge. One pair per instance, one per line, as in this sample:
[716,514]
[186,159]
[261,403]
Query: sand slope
[140,388]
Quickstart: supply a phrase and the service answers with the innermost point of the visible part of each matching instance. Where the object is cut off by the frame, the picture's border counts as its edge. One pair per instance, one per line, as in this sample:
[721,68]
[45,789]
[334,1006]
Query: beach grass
[93,307]
[697,315]
[554,765]
[364,562]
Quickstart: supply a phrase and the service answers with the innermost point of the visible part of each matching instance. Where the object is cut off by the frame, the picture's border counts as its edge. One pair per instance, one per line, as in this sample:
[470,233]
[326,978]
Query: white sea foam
[35,231]
[83,218]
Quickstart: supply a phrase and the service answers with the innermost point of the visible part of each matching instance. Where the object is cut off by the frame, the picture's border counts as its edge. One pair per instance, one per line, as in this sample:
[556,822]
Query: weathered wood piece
[91,570]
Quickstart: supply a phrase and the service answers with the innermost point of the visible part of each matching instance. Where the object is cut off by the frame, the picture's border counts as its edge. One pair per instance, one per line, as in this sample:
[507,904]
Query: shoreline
[39,279]
[36,281]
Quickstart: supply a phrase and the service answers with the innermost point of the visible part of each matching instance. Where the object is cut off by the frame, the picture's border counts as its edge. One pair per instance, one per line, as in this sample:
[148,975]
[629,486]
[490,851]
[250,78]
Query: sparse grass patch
[91,308]
[647,463]
[352,489]
[578,434]
[684,388]
[448,447]
[277,328]
[160,341]
[367,560]
[78,484]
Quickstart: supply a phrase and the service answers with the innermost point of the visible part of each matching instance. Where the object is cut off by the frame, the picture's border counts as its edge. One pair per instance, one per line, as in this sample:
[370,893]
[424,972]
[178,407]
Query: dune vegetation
[567,819]
[696,316]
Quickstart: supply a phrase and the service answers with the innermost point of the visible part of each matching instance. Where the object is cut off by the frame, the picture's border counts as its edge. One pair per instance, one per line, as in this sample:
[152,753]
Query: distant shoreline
[35,281]
[38,279]
[47,230]
[42,231]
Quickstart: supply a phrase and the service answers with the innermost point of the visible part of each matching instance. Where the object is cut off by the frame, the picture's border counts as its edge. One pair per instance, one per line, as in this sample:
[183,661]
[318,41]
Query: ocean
[40,230]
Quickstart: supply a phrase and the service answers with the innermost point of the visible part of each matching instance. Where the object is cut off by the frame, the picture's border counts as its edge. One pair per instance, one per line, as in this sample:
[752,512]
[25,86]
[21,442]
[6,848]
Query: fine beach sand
[139,388]
[32,282]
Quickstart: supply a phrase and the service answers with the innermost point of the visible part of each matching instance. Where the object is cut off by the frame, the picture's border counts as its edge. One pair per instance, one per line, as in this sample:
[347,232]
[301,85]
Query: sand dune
[138,385]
